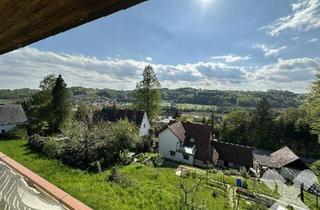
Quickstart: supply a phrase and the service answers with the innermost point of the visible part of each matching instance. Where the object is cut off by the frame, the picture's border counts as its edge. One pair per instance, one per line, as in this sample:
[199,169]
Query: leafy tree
[83,113]
[262,125]
[312,107]
[60,104]
[124,135]
[147,94]
[236,128]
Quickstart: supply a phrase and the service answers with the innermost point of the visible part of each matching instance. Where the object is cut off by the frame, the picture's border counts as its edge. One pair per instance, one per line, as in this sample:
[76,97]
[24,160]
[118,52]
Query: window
[144,125]
[172,153]
[3,131]
[192,140]
[185,156]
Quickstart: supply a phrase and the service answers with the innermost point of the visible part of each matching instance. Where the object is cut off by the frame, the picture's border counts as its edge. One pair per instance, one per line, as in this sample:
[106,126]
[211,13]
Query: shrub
[243,172]
[213,171]
[124,157]
[117,177]
[19,132]
[95,167]
[234,172]
[72,153]
[158,161]
[226,172]
[37,142]
[51,148]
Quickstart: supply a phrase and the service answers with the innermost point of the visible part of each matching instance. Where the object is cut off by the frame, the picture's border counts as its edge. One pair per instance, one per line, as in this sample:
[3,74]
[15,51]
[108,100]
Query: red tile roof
[202,135]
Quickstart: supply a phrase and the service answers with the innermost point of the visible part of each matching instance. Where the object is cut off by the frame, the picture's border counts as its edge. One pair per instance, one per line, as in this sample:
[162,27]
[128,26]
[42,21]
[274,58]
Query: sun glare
[205,3]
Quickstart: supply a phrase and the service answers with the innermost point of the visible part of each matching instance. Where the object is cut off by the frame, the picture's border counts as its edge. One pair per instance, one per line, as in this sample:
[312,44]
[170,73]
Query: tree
[236,128]
[39,107]
[262,125]
[83,113]
[147,94]
[60,104]
[312,107]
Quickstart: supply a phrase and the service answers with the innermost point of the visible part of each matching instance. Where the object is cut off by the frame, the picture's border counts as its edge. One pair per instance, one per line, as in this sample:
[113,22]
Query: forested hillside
[276,98]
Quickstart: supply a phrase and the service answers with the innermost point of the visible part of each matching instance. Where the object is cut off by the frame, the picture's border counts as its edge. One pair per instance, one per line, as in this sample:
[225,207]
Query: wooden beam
[24,22]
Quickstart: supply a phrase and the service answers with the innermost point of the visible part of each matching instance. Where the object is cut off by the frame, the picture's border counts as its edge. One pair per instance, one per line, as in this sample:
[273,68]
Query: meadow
[149,188]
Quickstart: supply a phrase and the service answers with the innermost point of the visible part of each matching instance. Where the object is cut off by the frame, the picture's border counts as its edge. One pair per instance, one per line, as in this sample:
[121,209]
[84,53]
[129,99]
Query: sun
[205,3]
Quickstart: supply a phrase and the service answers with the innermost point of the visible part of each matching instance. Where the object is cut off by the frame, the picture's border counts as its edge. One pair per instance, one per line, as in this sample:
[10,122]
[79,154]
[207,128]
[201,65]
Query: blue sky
[214,44]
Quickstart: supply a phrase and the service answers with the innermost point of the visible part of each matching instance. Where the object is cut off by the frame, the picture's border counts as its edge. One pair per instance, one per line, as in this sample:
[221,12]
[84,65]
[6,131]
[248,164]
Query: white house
[10,117]
[194,144]
[187,143]
[140,118]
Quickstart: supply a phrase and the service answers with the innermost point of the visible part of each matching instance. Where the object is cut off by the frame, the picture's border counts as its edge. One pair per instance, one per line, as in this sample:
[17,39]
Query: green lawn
[151,188]
[148,191]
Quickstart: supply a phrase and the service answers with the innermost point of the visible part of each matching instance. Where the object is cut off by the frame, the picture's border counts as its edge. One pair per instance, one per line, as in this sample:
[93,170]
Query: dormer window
[192,140]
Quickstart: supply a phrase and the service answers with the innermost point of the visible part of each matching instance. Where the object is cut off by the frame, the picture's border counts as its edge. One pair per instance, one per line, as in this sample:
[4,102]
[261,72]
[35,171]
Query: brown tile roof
[202,135]
[283,157]
[280,158]
[55,192]
[235,153]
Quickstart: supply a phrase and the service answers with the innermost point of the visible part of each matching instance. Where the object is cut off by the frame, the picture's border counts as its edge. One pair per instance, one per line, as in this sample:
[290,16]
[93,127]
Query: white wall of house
[145,126]
[168,144]
[7,128]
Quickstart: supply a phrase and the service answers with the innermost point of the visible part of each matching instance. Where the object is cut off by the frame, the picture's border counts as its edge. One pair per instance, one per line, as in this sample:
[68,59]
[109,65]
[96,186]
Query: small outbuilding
[10,117]
[284,160]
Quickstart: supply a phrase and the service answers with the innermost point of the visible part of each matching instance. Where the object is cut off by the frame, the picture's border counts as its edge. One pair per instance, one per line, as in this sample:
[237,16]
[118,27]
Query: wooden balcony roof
[26,21]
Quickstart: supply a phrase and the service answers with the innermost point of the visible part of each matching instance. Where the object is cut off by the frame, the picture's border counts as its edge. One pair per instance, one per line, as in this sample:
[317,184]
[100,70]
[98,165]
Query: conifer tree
[147,95]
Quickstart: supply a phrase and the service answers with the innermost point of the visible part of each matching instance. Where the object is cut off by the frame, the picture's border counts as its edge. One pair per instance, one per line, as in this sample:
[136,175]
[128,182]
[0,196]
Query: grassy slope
[146,192]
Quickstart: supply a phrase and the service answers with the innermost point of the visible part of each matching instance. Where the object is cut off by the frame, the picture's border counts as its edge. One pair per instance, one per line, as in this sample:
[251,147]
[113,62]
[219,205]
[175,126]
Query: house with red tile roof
[195,144]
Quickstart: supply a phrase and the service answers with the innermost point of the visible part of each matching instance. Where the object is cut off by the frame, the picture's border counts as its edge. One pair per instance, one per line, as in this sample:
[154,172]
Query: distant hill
[277,98]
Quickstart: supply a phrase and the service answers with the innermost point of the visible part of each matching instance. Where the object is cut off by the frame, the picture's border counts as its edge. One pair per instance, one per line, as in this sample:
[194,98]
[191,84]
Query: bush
[19,132]
[51,148]
[243,172]
[124,157]
[72,153]
[234,172]
[95,167]
[117,177]
[213,171]
[226,172]
[150,159]
[36,142]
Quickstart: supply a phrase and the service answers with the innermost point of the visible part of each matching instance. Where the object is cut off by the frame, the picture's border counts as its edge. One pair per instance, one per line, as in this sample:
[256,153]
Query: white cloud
[150,59]
[269,50]
[313,40]
[27,66]
[295,74]
[231,58]
[305,16]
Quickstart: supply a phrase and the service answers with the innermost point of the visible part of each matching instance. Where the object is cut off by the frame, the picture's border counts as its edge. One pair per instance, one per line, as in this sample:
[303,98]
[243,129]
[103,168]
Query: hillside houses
[195,144]
[10,117]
